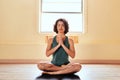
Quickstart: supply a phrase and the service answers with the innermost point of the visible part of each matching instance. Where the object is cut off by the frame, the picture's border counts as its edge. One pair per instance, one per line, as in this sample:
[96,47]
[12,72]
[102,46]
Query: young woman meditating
[60,47]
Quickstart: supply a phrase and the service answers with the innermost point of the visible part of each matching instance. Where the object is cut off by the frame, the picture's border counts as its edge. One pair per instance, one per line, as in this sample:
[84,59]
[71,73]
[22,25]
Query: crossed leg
[48,67]
[56,70]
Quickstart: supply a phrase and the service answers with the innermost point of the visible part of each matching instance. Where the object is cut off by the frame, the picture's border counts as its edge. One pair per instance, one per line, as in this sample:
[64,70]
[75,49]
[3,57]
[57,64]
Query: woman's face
[60,27]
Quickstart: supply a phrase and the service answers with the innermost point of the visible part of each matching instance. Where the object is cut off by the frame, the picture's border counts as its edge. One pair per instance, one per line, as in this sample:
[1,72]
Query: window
[71,10]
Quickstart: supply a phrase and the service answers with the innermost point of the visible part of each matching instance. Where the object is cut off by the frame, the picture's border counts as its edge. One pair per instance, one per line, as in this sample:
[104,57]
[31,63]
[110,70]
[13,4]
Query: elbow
[72,56]
[47,55]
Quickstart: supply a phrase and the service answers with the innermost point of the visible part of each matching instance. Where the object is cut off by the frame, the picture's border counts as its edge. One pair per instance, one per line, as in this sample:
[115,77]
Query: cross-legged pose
[60,47]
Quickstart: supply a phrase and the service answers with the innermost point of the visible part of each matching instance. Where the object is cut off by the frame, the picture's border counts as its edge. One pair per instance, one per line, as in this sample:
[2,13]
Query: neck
[61,34]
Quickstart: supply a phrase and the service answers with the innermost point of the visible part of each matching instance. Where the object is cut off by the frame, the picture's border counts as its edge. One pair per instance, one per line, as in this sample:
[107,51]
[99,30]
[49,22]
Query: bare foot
[50,73]
[44,72]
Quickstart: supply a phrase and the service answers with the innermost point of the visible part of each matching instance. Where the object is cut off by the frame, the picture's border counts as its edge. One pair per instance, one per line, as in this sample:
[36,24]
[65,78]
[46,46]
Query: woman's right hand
[60,40]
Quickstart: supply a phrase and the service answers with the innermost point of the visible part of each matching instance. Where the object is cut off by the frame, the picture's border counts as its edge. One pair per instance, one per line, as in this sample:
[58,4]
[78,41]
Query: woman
[61,47]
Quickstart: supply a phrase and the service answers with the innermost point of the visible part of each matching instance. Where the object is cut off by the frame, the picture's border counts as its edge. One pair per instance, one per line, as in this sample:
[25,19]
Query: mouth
[60,29]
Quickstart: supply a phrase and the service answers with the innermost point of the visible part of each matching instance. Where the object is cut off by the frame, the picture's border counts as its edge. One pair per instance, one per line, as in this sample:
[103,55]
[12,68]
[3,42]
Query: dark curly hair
[65,23]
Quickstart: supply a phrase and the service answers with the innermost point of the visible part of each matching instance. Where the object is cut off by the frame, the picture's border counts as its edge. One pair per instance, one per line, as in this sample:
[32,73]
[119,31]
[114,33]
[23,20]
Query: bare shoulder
[70,40]
[50,40]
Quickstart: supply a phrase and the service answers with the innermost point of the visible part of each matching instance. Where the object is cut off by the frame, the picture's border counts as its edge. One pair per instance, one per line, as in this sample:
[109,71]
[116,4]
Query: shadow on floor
[58,77]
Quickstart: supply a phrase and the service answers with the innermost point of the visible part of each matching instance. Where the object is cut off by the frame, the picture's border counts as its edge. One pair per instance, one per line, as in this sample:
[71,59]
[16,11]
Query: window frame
[84,13]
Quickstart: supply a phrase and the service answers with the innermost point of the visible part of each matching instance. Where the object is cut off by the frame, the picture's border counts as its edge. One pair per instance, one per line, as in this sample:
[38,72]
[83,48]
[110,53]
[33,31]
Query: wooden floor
[31,72]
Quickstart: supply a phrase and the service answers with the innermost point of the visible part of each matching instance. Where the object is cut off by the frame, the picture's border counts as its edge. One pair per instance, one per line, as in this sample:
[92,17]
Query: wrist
[62,45]
[58,45]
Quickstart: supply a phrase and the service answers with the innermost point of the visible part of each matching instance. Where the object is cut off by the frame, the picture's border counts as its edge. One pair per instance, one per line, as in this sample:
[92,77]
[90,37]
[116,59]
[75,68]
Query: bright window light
[71,10]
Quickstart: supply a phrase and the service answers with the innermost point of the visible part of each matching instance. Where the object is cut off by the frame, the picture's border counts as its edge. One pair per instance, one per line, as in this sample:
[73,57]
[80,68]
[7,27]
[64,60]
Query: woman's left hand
[60,40]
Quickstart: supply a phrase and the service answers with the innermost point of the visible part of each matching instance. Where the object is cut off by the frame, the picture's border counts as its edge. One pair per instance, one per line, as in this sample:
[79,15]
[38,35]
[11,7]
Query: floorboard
[31,72]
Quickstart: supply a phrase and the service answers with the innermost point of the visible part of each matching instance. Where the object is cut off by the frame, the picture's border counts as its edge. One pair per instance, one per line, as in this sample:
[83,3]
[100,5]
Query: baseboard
[19,61]
[97,61]
[36,61]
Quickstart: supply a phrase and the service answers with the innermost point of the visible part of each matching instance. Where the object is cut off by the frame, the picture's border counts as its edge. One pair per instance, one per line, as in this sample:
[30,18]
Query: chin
[61,32]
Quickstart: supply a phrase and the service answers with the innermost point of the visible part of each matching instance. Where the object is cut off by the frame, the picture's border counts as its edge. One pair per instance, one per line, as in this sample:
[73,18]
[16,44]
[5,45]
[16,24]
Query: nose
[61,27]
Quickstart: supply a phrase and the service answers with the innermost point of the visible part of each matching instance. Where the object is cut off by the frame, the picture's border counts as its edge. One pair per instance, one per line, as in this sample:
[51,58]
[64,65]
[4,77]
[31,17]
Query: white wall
[19,38]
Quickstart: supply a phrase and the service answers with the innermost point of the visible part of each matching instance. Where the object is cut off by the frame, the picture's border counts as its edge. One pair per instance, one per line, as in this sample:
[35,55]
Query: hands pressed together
[60,41]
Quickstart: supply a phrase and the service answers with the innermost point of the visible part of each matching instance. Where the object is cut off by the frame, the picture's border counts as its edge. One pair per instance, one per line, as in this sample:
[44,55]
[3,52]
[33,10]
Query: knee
[78,66]
[40,66]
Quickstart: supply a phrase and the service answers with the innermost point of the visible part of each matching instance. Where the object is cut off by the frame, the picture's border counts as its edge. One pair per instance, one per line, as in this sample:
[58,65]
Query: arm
[50,50]
[71,51]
